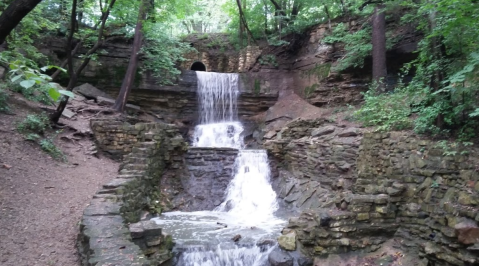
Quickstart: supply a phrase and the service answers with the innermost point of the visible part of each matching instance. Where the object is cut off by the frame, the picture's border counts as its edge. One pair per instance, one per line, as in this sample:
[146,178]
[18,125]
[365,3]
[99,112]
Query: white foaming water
[217,97]
[217,101]
[226,134]
[249,195]
[237,256]
[250,200]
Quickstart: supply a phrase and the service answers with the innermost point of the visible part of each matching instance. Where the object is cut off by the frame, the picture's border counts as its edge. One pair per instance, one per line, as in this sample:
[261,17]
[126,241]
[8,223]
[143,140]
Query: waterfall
[218,111]
[250,201]
[217,97]
[249,195]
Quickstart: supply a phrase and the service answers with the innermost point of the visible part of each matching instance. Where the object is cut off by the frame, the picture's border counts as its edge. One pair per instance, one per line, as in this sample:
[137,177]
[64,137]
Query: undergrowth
[3,100]
[388,111]
[34,123]
[35,128]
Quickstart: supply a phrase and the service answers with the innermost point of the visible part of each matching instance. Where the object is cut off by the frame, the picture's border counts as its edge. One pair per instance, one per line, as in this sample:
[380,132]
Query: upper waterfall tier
[217,97]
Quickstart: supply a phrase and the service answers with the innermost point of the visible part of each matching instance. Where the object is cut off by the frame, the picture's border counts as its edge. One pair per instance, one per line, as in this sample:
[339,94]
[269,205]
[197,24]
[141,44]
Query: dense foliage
[443,93]
[439,97]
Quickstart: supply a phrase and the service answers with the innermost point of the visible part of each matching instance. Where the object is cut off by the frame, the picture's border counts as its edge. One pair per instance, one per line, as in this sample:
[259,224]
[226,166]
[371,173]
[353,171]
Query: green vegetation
[3,100]
[34,124]
[27,78]
[257,86]
[356,44]
[49,147]
[441,99]
[268,59]
[308,90]
[35,128]
[389,111]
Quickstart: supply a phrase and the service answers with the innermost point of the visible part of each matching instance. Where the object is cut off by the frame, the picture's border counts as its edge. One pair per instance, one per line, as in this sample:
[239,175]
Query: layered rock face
[395,185]
[209,171]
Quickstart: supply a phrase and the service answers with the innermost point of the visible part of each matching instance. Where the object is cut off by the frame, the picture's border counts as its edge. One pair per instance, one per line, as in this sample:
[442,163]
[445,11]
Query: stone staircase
[104,237]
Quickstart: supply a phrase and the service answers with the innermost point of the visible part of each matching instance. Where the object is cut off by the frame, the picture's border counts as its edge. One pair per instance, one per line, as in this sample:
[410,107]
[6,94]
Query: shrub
[389,111]
[3,100]
[34,123]
[49,147]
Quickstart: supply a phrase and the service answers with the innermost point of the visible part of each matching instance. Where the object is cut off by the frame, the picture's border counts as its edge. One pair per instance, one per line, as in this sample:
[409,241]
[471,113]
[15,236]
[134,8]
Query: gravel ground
[41,200]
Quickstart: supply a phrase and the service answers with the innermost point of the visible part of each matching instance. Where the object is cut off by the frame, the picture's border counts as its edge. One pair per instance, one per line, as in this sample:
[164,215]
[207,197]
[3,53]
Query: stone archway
[198,66]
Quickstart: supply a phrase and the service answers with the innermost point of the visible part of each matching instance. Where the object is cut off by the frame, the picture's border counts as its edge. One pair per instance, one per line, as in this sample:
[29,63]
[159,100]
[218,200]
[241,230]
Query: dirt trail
[41,200]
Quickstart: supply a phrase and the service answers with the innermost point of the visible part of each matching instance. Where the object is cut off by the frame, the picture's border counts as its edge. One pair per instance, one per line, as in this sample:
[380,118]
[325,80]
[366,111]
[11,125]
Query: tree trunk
[127,83]
[379,48]
[14,13]
[74,74]
[245,24]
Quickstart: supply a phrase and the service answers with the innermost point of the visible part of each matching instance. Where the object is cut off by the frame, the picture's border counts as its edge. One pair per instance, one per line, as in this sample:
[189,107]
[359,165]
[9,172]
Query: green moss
[310,89]
[320,71]
[257,87]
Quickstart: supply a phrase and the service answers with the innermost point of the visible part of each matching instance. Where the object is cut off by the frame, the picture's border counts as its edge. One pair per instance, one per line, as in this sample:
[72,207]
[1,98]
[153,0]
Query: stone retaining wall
[117,138]
[433,192]
[105,238]
[319,157]
[404,187]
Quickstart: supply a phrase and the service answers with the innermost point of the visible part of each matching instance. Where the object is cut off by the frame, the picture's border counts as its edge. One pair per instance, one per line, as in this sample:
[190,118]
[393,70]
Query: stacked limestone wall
[118,138]
[105,238]
[433,192]
[396,186]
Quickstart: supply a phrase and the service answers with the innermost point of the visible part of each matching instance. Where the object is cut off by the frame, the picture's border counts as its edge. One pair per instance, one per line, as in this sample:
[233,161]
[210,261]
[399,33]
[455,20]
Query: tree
[379,47]
[72,72]
[14,13]
[129,78]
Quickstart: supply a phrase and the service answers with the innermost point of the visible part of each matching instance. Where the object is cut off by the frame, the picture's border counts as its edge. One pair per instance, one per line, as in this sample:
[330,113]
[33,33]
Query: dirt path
[41,200]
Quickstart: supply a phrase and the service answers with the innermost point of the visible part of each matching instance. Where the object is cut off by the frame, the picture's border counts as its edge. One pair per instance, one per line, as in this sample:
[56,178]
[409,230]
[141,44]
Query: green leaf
[15,78]
[475,113]
[67,93]
[54,94]
[27,83]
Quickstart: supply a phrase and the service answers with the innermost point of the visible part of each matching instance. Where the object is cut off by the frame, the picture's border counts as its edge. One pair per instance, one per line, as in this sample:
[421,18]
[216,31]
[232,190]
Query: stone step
[115,183]
[146,144]
[136,166]
[135,160]
[137,151]
[129,176]
[131,172]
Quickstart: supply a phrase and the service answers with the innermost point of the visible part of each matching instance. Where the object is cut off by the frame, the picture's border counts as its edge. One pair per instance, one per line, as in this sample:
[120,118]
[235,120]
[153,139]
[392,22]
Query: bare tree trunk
[127,83]
[326,9]
[14,13]
[379,48]
[243,21]
[74,74]
[295,10]
[438,77]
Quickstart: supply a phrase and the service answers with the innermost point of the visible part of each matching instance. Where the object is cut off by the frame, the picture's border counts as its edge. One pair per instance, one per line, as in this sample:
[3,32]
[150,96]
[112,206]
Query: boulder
[288,241]
[467,232]
[280,258]
[322,131]
[349,132]
[270,134]
[90,91]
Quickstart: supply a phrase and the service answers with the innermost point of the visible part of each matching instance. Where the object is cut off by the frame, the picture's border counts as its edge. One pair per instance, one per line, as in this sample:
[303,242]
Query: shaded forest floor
[42,199]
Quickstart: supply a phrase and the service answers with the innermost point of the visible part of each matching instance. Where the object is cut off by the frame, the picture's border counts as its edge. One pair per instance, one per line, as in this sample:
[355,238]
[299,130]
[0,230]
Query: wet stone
[280,258]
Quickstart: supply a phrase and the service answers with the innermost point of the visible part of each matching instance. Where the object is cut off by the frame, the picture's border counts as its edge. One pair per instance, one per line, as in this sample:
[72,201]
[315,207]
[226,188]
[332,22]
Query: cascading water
[218,111]
[250,196]
[250,201]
